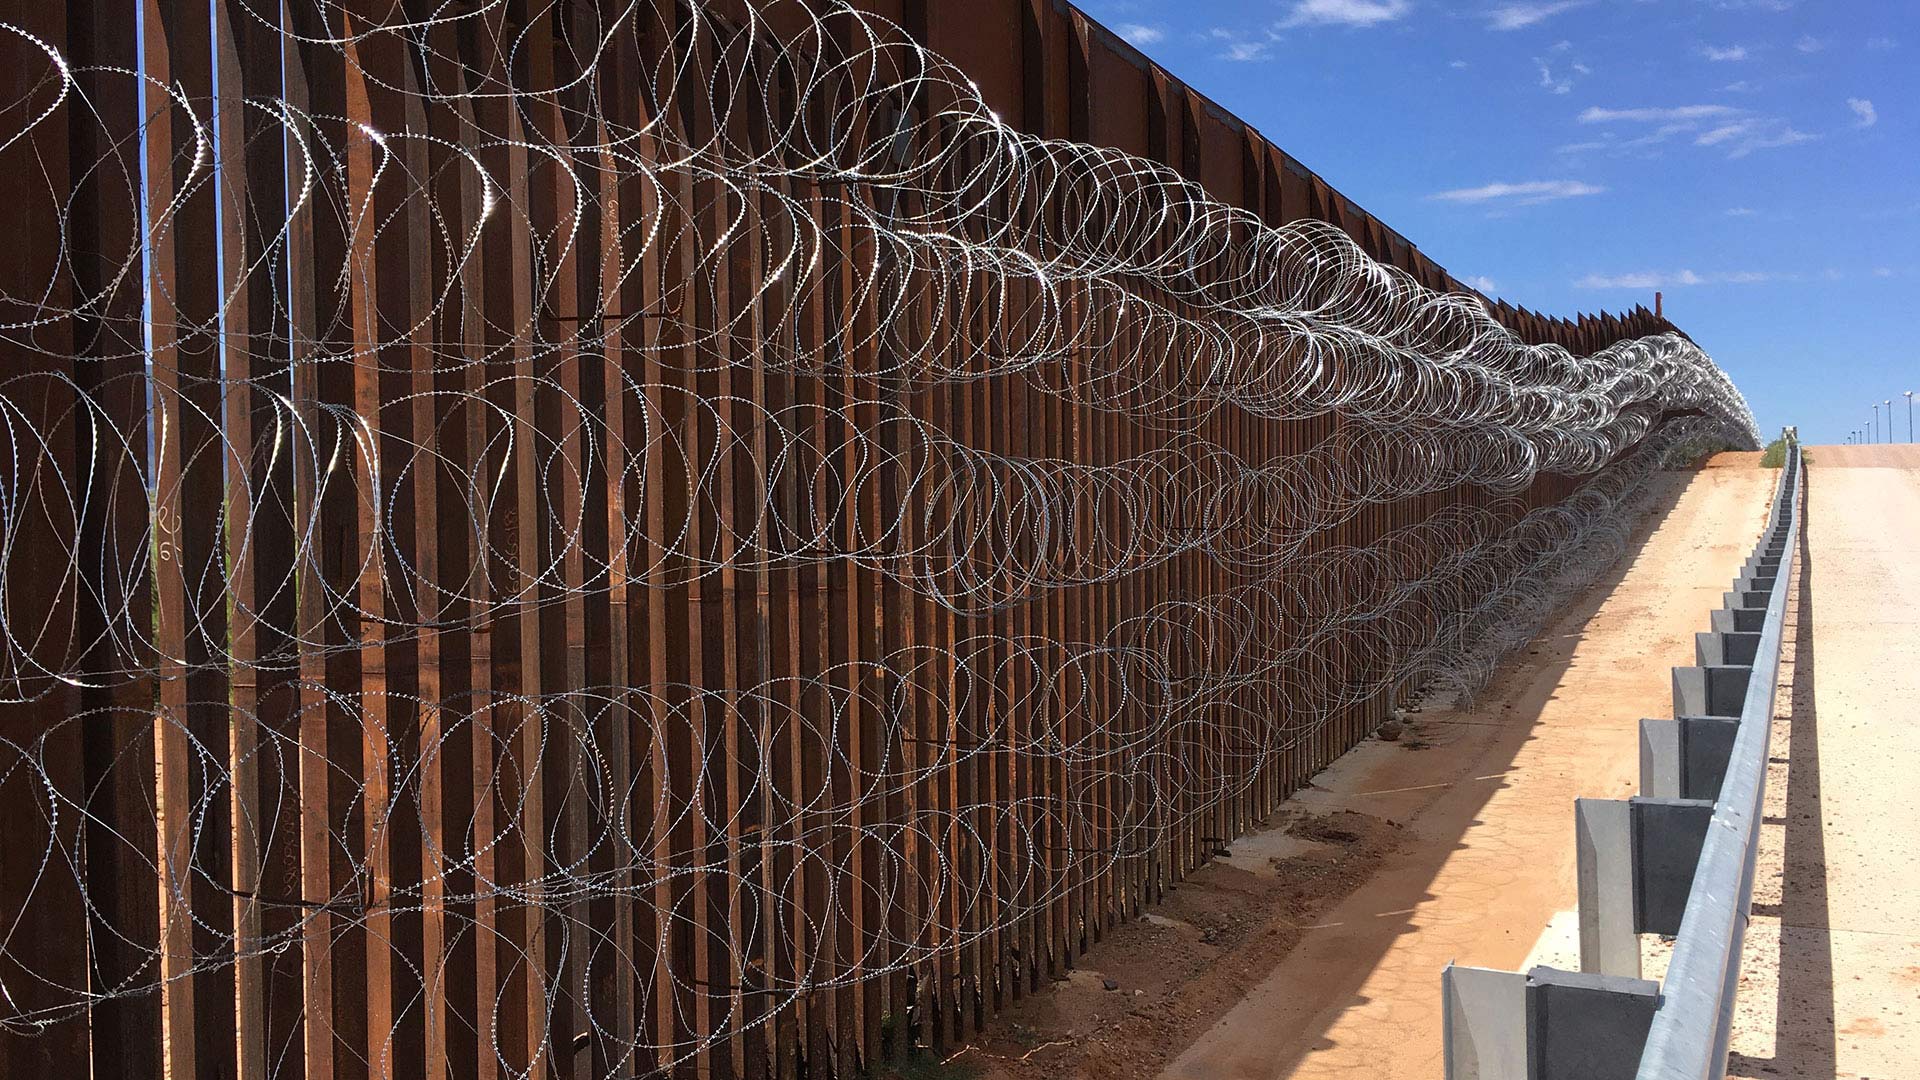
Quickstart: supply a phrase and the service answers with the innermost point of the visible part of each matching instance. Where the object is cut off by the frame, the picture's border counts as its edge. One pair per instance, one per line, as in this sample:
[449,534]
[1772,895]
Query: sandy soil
[1454,842]
[1882,456]
[1830,981]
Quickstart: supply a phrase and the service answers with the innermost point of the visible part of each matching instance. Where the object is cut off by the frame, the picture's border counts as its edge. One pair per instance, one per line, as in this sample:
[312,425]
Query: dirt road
[1831,975]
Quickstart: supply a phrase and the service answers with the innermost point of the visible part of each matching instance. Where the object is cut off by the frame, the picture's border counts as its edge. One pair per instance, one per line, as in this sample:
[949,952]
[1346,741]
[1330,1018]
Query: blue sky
[1758,161]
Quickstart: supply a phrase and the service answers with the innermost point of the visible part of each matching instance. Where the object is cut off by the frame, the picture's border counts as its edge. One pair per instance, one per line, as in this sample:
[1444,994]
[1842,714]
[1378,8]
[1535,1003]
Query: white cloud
[1598,115]
[1882,271]
[1741,211]
[1556,79]
[1864,113]
[1723,133]
[1240,47]
[1646,280]
[1882,44]
[1548,82]
[1522,15]
[1459,65]
[1526,194]
[1745,136]
[1736,131]
[1345,12]
[1138,34]
[1786,135]
[1809,44]
[1744,86]
[1659,135]
[1723,55]
[1482,283]
[1670,279]
[1612,143]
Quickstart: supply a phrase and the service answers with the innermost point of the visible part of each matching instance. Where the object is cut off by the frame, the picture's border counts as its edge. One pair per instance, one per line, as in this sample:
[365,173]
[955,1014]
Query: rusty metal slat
[46,907]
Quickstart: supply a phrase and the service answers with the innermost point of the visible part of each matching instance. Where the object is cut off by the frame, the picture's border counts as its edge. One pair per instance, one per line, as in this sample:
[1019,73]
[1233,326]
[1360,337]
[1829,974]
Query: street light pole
[1909,416]
[1889,404]
[1876,423]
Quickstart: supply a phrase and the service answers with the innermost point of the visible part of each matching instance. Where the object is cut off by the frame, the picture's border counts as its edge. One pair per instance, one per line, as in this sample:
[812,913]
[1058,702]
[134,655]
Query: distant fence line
[600,540]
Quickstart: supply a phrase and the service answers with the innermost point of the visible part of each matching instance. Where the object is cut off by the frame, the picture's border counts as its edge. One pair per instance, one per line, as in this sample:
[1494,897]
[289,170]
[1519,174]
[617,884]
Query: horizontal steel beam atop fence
[1677,859]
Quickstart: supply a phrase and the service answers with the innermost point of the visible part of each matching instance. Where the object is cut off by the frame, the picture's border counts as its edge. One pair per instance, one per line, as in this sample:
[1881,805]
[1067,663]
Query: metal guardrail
[1677,859]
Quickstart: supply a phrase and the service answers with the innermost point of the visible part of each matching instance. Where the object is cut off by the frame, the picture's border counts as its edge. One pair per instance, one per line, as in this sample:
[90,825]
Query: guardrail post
[1737,620]
[1660,765]
[1667,834]
[1685,758]
[1482,1023]
[1586,1027]
[1706,744]
[1603,868]
[1725,649]
[1719,690]
[1544,1025]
